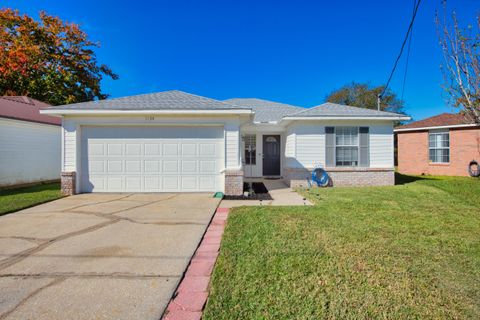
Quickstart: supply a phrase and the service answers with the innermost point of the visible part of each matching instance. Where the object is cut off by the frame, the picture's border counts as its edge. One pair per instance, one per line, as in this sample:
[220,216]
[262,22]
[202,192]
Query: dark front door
[271,155]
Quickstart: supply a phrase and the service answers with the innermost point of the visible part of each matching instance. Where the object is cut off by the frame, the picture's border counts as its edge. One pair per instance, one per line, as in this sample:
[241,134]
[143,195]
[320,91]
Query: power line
[410,26]
[408,55]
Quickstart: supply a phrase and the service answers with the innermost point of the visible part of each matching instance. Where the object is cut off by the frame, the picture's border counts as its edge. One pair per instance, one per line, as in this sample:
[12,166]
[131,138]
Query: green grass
[410,251]
[12,200]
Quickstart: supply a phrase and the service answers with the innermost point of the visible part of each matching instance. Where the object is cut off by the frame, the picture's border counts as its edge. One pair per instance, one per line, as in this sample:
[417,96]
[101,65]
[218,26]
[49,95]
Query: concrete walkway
[282,196]
[99,256]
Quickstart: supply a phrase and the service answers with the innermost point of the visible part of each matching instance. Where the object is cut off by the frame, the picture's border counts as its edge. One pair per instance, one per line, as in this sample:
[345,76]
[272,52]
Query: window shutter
[329,146]
[364,147]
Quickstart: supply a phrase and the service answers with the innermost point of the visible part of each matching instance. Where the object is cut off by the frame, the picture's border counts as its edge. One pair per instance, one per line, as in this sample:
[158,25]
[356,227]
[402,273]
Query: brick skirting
[68,182]
[233,182]
[342,177]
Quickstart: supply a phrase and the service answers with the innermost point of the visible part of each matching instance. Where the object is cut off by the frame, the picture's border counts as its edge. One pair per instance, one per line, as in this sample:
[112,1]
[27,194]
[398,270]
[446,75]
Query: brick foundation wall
[234,182]
[68,182]
[342,177]
[413,152]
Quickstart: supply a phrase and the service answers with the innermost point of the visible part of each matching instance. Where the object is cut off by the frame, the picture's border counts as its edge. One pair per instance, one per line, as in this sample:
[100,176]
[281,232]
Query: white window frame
[357,146]
[437,133]
[246,137]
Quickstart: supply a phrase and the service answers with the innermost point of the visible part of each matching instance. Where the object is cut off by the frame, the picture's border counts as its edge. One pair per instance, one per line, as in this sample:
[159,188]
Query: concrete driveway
[99,256]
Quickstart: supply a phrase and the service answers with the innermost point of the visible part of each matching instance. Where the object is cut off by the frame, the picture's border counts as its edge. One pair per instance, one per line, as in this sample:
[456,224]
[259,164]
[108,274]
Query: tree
[363,95]
[461,65]
[49,60]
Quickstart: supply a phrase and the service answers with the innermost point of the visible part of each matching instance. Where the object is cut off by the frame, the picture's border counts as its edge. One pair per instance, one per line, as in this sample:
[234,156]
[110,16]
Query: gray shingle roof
[166,100]
[265,111]
[337,110]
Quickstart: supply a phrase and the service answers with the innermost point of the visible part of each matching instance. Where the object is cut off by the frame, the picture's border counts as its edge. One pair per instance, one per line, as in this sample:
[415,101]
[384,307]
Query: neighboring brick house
[440,145]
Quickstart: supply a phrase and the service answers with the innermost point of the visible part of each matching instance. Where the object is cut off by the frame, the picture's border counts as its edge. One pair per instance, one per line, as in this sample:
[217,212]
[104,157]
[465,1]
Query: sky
[294,52]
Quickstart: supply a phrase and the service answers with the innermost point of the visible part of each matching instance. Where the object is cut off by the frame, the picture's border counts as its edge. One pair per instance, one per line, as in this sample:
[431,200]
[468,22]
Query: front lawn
[16,199]
[410,251]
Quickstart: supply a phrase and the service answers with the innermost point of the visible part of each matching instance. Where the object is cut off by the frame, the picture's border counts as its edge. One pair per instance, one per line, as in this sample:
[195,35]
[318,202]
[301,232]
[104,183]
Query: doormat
[260,192]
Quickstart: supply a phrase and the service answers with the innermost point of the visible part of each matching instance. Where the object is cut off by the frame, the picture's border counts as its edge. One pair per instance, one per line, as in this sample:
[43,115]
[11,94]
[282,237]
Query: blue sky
[294,52]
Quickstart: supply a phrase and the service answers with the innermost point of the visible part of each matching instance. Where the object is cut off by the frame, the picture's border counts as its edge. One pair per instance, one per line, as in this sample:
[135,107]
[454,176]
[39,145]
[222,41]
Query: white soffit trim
[437,127]
[347,118]
[60,112]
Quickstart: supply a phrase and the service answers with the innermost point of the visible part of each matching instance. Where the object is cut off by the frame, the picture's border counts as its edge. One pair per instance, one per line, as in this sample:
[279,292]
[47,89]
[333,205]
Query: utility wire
[410,26]
[408,55]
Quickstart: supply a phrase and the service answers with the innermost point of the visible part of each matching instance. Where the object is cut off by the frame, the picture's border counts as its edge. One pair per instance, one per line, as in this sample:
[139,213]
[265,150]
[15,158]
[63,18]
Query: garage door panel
[189,183]
[133,183]
[170,149]
[114,166]
[170,166]
[170,183]
[208,166]
[207,149]
[133,149]
[152,166]
[152,183]
[114,149]
[153,149]
[97,166]
[207,182]
[189,166]
[114,183]
[133,166]
[152,159]
[189,149]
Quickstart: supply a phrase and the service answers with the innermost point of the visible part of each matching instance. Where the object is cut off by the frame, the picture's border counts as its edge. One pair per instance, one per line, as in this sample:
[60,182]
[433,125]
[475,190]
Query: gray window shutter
[329,146]
[364,147]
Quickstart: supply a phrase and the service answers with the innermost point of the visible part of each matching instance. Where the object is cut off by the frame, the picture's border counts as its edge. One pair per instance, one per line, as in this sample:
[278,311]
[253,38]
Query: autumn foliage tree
[49,60]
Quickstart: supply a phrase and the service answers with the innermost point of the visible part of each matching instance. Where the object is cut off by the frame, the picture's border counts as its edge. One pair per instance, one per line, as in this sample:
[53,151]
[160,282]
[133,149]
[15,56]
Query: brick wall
[234,182]
[413,152]
[342,177]
[68,183]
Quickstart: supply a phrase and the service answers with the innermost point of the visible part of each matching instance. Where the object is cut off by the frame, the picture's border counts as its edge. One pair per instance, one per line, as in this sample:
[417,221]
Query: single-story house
[30,148]
[441,145]
[174,141]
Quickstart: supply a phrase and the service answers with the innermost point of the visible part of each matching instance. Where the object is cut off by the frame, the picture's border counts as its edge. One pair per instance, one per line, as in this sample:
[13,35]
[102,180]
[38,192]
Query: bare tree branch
[461,66]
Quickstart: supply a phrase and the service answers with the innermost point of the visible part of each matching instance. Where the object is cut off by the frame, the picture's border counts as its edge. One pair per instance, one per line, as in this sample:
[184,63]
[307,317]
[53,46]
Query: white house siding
[72,127]
[381,146]
[29,152]
[232,145]
[290,138]
[308,138]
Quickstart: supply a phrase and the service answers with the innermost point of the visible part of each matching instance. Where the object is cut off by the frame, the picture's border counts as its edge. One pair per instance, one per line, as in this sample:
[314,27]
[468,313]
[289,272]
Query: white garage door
[152,159]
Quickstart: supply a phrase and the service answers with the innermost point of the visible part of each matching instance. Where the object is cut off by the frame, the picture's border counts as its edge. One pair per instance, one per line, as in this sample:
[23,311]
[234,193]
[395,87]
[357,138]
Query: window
[439,147]
[250,141]
[346,146]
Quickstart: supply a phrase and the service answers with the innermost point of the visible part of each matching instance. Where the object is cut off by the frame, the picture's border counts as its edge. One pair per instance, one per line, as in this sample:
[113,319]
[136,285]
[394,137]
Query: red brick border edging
[192,293]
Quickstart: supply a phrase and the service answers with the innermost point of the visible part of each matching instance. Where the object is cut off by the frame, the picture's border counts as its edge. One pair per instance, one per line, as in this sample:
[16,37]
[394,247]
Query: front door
[271,155]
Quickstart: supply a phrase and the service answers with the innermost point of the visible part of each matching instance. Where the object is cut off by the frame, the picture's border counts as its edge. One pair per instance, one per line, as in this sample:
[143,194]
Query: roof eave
[391,118]
[63,112]
[453,126]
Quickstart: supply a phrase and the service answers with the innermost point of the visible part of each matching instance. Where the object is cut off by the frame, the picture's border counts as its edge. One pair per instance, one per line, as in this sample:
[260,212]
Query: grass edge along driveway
[12,200]
[399,252]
